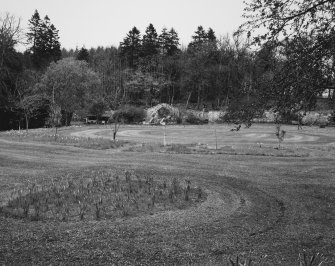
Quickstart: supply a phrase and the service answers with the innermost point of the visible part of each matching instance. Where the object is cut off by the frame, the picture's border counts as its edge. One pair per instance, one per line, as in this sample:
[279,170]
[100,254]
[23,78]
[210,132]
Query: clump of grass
[101,195]
[315,260]
[239,262]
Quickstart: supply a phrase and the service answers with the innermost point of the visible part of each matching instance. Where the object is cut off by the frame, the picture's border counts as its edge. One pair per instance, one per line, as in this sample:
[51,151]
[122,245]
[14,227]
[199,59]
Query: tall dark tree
[53,45]
[44,40]
[210,35]
[83,54]
[201,38]
[200,35]
[150,44]
[169,42]
[130,48]
[35,30]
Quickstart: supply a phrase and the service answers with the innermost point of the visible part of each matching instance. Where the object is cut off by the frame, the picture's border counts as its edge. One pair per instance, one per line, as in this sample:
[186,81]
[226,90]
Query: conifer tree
[44,39]
[34,29]
[200,35]
[83,55]
[173,42]
[210,35]
[150,44]
[202,38]
[163,41]
[131,47]
[53,43]
[169,42]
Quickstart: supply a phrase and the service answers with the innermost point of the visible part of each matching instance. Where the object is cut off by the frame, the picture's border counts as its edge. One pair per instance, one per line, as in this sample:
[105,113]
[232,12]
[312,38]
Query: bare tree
[116,118]
[10,35]
[25,99]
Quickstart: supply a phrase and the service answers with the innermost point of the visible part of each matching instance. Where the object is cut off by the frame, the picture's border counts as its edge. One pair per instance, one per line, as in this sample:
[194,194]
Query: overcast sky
[106,22]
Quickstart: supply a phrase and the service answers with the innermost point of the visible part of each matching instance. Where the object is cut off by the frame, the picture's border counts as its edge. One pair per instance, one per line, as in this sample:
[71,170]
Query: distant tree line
[285,69]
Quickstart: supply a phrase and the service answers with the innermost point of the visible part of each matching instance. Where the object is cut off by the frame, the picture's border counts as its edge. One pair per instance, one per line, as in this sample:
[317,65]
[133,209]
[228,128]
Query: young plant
[200,193]
[280,134]
[239,262]
[82,209]
[314,260]
[187,190]
[98,208]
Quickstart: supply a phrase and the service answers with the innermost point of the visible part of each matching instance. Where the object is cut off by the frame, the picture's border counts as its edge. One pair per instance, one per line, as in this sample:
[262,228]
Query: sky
[106,22]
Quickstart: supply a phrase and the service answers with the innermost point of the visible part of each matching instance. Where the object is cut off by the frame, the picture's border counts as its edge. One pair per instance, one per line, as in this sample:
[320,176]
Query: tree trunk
[56,128]
[27,123]
[188,99]
[172,98]
[199,93]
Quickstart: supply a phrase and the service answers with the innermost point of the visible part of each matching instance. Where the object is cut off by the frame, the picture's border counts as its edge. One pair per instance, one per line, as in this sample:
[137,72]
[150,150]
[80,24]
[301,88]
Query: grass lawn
[259,201]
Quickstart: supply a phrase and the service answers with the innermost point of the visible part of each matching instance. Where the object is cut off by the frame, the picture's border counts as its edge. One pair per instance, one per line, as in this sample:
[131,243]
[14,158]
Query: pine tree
[202,38]
[131,46]
[163,41]
[169,42]
[53,43]
[150,44]
[34,29]
[210,35]
[83,55]
[173,42]
[200,35]
[44,39]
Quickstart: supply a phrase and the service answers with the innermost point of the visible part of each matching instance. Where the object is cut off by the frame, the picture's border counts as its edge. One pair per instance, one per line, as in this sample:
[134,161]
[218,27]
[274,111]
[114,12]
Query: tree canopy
[301,33]
[70,84]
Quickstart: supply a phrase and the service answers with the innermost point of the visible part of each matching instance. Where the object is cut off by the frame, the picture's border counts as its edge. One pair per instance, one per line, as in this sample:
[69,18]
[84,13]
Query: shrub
[287,117]
[194,120]
[129,114]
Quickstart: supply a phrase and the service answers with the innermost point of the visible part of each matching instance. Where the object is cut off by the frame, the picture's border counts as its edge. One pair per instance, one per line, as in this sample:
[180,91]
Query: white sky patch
[106,22]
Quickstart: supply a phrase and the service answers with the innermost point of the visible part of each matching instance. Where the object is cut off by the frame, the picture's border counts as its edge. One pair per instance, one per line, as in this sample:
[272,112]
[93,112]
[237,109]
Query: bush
[194,120]
[129,114]
[287,117]
[316,118]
